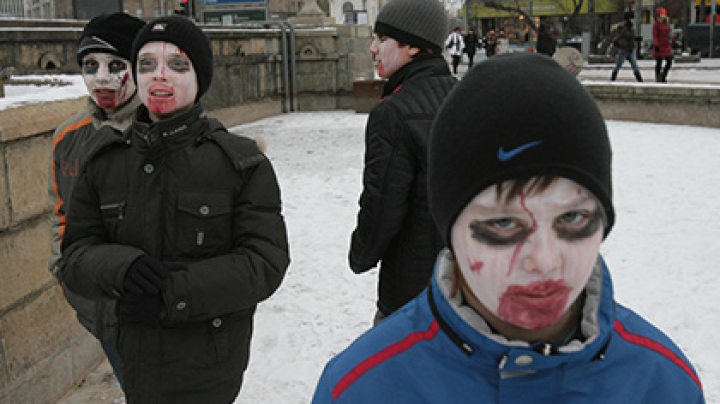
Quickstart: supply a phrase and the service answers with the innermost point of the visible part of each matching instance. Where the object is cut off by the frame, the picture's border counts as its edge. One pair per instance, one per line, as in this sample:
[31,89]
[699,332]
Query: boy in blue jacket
[520,307]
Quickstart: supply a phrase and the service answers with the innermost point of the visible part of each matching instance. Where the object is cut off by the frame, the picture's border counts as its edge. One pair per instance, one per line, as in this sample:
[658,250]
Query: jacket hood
[172,133]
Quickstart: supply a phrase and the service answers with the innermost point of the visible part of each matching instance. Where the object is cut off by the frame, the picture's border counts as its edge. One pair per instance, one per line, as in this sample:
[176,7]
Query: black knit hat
[515,116]
[420,23]
[109,33]
[182,32]
[629,15]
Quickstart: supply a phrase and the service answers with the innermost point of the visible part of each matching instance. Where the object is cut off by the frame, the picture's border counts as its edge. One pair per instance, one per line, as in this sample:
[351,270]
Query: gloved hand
[657,48]
[145,310]
[146,276]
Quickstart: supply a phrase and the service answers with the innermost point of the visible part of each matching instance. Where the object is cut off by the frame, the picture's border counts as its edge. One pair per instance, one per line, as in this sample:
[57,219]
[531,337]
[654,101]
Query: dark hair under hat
[515,116]
[420,23]
[109,33]
[182,32]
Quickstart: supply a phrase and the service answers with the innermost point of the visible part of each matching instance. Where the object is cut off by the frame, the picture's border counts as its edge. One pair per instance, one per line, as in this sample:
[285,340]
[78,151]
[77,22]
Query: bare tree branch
[513,9]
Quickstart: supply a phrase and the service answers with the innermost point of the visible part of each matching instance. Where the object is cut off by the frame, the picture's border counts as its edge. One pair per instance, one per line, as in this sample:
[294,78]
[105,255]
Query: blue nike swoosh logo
[507,155]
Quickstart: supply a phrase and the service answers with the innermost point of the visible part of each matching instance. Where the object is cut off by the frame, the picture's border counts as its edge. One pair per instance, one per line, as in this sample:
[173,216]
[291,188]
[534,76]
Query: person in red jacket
[662,45]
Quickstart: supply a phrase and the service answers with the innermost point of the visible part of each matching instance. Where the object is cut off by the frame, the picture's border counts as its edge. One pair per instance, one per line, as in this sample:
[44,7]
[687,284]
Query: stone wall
[249,63]
[44,350]
[675,104]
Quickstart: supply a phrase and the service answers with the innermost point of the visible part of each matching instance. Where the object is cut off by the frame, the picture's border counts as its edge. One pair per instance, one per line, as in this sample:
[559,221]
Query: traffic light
[184,8]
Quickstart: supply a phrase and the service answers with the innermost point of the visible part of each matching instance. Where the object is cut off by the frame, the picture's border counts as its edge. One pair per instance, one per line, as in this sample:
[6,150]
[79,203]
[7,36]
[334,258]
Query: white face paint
[108,80]
[389,56]
[526,261]
[166,79]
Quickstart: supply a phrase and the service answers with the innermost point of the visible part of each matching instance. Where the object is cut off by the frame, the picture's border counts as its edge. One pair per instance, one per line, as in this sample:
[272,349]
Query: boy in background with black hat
[103,54]
[180,222]
[394,227]
[520,308]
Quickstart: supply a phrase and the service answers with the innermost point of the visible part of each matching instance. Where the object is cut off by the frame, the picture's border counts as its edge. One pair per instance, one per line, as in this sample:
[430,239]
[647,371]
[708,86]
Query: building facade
[12,8]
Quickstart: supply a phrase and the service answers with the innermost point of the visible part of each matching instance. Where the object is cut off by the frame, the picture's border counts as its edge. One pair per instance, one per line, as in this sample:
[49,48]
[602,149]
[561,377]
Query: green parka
[185,191]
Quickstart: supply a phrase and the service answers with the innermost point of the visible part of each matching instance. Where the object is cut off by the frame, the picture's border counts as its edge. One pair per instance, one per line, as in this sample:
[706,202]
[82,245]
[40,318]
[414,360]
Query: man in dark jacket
[545,41]
[394,225]
[625,43]
[181,223]
[472,43]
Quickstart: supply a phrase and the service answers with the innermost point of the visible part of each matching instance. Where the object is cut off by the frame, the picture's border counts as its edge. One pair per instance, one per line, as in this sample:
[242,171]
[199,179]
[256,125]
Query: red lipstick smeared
[161,99]
[105,98]
[534,306]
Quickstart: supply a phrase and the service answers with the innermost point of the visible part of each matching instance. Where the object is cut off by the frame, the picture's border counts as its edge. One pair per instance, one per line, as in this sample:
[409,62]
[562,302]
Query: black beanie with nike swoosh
[516,116]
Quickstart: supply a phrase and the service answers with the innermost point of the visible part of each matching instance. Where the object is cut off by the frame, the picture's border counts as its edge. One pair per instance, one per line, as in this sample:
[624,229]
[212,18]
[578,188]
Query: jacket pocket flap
[204,204]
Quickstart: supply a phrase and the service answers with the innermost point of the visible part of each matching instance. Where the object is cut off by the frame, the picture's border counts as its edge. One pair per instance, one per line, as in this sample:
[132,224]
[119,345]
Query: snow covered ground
[661,251]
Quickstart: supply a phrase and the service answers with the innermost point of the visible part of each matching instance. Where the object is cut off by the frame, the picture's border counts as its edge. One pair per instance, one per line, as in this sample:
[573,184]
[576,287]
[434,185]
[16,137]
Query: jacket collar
[471,333]
[120,120]
[418,68]
[173,133]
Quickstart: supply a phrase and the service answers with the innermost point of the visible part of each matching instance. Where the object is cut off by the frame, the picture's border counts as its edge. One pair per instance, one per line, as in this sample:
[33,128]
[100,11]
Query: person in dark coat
[103,54]
[490,43]
[545,42]
[662,45]
[394,227]
[180,222]
[625,43]
[472,43]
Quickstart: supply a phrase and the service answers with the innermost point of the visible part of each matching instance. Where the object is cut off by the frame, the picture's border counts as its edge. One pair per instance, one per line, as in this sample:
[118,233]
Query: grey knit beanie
[420,23]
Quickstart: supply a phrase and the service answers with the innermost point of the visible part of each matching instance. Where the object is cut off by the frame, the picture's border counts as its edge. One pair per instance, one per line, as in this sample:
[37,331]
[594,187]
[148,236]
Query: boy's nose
[541,253]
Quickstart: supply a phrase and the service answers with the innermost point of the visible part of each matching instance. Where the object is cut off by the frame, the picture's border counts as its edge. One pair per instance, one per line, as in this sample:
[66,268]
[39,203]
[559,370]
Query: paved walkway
[98,387]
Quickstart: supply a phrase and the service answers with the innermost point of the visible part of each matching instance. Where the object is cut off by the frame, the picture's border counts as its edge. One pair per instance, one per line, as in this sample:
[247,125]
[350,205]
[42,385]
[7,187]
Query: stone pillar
[5,73]
[311,14]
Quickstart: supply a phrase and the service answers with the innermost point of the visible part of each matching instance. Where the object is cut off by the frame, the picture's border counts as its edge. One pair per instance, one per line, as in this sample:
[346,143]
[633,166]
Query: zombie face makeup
[107,78]
[527,259]
[166,79]
[389,56]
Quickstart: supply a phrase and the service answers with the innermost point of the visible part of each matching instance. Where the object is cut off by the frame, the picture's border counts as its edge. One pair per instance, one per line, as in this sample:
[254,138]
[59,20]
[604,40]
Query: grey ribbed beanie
[421,23]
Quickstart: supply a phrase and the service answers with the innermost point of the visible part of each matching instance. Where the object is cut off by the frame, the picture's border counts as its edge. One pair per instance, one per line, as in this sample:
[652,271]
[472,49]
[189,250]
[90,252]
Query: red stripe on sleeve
[657,347]
[387,353]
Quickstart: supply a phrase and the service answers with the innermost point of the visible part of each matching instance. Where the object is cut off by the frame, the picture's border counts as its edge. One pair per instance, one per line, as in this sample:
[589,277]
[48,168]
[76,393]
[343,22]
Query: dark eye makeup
[575,225]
